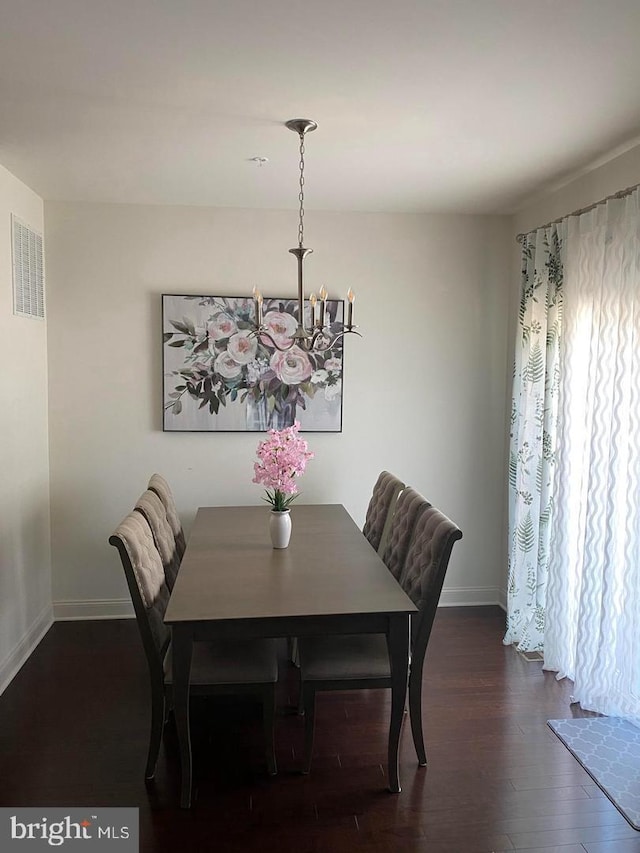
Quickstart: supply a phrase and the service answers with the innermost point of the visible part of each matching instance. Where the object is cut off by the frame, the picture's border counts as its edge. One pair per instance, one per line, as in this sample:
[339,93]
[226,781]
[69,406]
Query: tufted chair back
[152,508]
[159,485]
[145,577]
[377,522]
[409,508]
[426,565]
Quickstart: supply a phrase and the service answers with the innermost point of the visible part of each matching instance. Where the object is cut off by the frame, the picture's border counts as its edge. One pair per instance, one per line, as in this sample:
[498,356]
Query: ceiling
[422,105]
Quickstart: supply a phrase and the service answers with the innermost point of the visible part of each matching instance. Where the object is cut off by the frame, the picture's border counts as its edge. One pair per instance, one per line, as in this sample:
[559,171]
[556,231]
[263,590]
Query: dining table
[329,580]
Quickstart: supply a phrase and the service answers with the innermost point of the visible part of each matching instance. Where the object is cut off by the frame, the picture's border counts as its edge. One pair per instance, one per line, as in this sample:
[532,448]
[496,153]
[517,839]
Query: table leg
[399,656]
[182,647]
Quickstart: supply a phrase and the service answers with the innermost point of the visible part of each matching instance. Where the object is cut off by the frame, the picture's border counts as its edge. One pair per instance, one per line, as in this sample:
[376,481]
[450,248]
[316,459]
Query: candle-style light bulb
[258,301]
[350,296]
[323,306]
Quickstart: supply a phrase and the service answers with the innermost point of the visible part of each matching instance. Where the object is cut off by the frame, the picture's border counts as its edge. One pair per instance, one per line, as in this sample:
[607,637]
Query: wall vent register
[28,270]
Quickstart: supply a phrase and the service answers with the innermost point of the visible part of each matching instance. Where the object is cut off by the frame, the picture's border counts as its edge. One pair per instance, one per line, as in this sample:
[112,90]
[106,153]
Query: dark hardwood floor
[74,729]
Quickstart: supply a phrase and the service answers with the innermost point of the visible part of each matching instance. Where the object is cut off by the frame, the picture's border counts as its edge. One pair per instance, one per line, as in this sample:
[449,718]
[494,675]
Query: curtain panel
[532,453]
[593,595]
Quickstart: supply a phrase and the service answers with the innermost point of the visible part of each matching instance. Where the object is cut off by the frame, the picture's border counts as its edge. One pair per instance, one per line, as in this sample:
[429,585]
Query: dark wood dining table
[233,583]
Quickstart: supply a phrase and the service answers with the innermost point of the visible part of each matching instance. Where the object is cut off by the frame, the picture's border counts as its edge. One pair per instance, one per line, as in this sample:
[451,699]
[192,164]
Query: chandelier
[318,334]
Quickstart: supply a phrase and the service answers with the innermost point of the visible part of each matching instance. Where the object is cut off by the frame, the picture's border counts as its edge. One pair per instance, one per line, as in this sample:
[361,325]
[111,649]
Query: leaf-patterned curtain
[534,416]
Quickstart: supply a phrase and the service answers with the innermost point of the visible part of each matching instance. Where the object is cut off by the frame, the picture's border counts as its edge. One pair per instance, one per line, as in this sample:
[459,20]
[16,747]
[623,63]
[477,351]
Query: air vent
[28,275]
[532,656]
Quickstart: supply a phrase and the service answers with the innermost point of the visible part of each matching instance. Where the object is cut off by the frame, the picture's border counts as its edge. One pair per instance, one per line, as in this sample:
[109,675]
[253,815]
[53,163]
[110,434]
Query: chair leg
[415,711]
[157,726]
[300,697]
[268,719]
[168,705]
[308,697]
[292,650]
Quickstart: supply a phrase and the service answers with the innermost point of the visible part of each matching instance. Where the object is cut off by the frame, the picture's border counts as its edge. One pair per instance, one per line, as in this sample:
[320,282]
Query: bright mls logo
[42,829]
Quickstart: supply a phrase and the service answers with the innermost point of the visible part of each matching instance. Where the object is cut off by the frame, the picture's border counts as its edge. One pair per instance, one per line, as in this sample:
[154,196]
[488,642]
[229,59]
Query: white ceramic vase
[280,528]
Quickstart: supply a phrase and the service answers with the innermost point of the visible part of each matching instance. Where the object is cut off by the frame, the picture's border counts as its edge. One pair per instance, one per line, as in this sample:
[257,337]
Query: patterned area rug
[609,750]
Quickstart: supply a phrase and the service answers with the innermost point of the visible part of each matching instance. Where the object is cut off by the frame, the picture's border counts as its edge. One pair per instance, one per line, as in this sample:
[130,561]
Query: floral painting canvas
[220,376]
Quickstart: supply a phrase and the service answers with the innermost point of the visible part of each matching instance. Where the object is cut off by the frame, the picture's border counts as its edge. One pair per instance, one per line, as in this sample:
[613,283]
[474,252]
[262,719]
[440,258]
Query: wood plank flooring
[74,729]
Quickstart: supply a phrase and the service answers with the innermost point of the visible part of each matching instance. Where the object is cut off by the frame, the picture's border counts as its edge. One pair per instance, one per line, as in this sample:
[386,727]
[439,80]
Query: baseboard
[470,596]
[19,655]
[502,601]
[114,608]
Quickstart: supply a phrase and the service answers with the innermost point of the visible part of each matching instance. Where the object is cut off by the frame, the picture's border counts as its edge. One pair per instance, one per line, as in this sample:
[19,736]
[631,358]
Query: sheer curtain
[592,630]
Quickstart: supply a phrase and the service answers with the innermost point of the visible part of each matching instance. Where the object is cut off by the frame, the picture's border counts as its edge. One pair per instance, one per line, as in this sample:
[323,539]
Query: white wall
[25,556]
[424,395]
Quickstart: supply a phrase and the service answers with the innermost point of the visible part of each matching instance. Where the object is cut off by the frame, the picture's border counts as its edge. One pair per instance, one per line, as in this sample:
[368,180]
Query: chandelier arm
[333,339]
[308,342]
[261,331]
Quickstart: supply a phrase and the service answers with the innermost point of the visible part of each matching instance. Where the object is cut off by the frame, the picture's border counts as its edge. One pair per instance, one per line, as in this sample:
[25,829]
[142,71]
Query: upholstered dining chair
[159,485]
[344,662]
[409,508]
[377,523]
[237,666]
[376,529]
[152,508]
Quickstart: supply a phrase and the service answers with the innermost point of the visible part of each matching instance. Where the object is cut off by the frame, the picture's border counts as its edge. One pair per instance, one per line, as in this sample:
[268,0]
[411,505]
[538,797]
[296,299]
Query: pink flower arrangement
[283,456]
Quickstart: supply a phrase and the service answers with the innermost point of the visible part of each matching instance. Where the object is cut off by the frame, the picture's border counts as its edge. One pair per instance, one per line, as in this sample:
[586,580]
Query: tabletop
[231,571]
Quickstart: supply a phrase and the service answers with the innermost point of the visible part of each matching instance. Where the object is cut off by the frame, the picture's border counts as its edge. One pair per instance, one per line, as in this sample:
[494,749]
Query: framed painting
[219,376]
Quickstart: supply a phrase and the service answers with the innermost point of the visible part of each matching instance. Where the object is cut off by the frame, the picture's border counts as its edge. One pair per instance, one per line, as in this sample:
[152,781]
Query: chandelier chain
[301,194]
